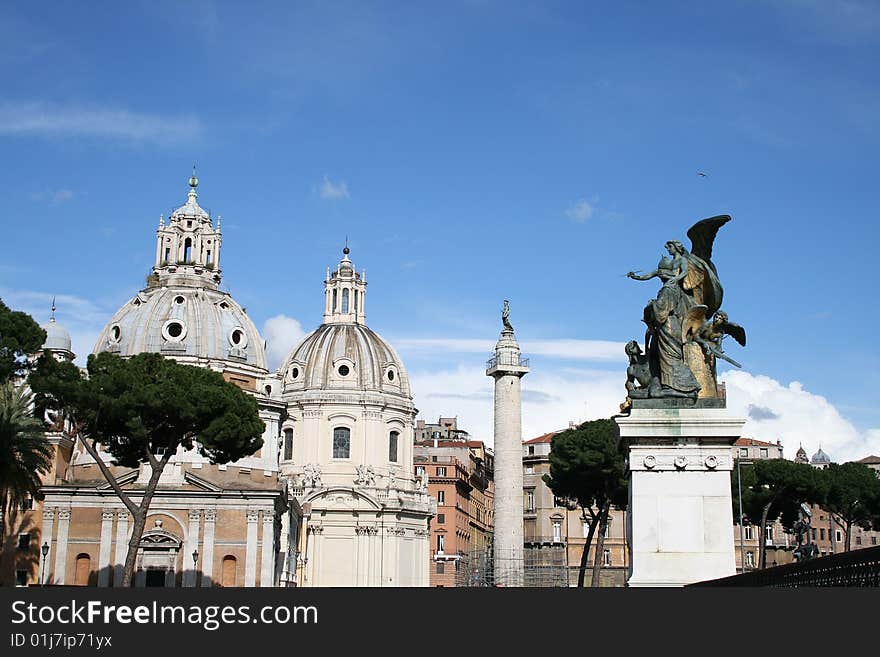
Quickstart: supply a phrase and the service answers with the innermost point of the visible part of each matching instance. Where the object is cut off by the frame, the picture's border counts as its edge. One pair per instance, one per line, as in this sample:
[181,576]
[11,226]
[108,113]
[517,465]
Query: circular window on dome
[238,338]
[343,370]
[174,330]
[115,333]
[390,375]
[179,299]
[224,305]
[294,373]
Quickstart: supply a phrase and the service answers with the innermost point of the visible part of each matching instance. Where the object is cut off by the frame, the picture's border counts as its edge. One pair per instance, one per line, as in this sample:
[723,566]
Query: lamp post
[195,556]
[45,550]
[742,538]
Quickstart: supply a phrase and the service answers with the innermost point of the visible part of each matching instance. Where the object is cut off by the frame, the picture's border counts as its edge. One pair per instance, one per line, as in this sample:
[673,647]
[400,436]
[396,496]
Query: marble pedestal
[680,515]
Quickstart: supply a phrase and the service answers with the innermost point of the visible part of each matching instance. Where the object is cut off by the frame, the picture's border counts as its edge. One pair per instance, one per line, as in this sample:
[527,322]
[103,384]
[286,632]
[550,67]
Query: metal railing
[859,568]
[511,360]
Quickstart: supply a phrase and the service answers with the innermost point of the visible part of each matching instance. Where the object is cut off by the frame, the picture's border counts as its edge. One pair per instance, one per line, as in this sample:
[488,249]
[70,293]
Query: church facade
[328,500]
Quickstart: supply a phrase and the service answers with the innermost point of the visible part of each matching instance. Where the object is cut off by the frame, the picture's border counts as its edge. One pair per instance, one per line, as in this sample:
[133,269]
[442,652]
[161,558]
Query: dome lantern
[344,293]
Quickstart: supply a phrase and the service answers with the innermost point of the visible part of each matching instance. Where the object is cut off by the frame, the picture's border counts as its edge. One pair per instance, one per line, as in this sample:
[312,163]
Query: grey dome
[820,458]
[186,323]
[57,337]
[372,364]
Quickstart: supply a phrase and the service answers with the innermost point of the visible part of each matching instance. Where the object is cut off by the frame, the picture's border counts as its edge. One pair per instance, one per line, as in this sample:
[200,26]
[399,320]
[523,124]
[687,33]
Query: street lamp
[742,538]
[45,550]
[195,556]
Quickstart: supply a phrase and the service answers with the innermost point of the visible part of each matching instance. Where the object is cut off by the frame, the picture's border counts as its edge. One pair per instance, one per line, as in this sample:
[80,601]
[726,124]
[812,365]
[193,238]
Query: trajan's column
[507,368]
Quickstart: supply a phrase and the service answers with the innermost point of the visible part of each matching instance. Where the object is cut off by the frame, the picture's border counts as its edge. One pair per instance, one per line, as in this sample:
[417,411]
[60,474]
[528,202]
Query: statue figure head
[675,247]
[633,349]
[720,317]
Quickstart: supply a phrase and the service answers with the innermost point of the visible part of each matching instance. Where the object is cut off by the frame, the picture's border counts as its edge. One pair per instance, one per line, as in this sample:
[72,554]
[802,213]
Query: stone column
[104,549]
[121,546]
[190,569]
[48,522]
[207,558]
[58,576]
[507,368]
[250,559]
[267,557]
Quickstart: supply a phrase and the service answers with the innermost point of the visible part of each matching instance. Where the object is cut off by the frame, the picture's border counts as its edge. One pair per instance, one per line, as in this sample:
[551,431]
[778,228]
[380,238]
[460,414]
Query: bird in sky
[702,175]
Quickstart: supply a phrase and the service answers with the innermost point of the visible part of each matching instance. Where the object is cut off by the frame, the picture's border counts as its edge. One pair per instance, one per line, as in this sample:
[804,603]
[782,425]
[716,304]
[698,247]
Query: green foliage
[853,495]
[25,453]
[20,336]
[146,404]
[777,487]
[586,466]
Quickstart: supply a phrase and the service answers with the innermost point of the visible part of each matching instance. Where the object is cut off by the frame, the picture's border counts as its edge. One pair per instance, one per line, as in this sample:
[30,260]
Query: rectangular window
[28,504]
[558,502]
[814,533]
[531,450]
[838,536]
[341,443]
[530,469]
[24,541]
[288,444]
[821,533]
[768,534]
[420,470]
[606,557]
[764,453]
[441,518]
[530,501]
[441,471]
[586,529]
[873,540]
[440,567]
[441,497]
[743,451]
[392,446]
[557,531]
[748,532]
[858,540]
[21,578]
[441,541]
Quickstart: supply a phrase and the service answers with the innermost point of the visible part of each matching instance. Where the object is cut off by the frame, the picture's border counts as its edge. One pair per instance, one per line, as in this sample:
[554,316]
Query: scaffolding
[542,567]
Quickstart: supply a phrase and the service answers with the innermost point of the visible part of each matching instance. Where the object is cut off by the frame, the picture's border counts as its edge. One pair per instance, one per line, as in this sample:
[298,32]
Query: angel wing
[692,322]
[702,235]
[735,331]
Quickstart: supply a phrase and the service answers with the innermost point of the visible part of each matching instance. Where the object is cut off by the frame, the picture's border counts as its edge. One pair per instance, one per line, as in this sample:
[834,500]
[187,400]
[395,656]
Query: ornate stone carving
[422,533]
[253,515]
[64,514]
[396,531]
[711,461]
[366,530]
[48,514]
[680,462]
[210,515]
[316,528]
[195,514]
[313,414]
[366,476]
[108,514]
[312,476]
[650,461]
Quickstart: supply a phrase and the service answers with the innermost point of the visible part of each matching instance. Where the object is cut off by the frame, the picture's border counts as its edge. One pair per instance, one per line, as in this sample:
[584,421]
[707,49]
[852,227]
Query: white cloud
[45,120]
[56,197]
[580,211]
[333,191]
[282,333]
[796,416]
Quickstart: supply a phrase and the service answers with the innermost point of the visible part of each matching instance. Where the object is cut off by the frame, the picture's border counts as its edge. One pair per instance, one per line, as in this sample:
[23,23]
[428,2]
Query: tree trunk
[848,536]
[140,518]
[586,551]
[600,543]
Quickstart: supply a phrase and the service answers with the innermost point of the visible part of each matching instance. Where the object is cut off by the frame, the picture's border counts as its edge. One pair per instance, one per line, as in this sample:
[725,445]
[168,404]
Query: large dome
[186,323]
[345,357]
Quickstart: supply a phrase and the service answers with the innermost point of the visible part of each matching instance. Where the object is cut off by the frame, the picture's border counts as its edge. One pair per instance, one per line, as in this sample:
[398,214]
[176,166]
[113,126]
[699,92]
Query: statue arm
[643,277]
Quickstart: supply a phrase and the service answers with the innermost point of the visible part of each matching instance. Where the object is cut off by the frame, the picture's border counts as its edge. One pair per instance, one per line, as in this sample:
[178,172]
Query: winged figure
[709,333]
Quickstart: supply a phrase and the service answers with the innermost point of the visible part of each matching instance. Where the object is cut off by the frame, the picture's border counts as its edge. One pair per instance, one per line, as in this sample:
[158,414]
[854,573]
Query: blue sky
[471,151]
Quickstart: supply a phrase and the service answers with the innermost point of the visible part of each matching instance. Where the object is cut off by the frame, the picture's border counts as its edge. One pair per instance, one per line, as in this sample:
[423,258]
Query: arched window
[288,444]
[83,569]
[356,301]
[392,446]
[345,299]
[227,574]
[334,299]
[187,249]
[341,443]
